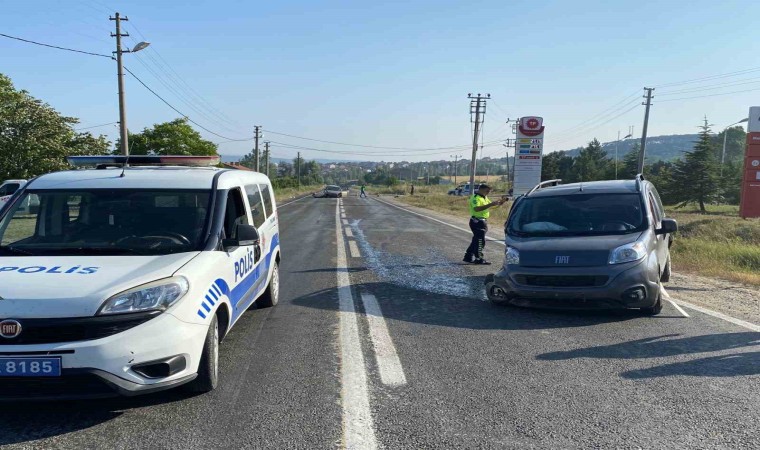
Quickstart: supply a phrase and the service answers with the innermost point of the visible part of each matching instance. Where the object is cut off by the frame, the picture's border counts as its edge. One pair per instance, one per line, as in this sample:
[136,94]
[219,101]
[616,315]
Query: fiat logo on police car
[9,329]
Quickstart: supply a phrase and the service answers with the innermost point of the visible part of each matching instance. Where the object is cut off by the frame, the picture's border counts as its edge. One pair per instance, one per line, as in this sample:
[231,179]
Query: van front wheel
[271,296]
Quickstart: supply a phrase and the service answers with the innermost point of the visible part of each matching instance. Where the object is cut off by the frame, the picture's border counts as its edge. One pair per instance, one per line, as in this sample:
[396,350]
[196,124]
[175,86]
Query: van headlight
[512,257]
[156,296]
[628,253]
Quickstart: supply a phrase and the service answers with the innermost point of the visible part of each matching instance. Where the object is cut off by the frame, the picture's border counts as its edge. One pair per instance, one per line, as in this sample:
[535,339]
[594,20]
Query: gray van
[600,245]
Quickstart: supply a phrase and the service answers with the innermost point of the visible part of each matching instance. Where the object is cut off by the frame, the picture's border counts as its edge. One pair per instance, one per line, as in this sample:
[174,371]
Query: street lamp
[124,137]
[616,151]
[725,135]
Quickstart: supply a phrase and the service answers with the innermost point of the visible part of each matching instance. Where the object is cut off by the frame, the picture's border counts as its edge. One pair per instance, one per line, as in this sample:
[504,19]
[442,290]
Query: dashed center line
[349,232]
[391,372]
[355,253]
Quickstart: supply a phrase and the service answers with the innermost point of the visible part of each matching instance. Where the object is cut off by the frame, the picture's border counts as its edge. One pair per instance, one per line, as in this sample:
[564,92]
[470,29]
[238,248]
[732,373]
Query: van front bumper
[630,285]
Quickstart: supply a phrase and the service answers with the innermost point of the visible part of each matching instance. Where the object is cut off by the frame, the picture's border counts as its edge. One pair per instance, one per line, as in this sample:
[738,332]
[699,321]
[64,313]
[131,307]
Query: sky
[392,73]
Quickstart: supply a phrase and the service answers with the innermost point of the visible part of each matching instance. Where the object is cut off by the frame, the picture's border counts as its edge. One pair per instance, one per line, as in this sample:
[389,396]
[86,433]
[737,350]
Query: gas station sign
[750,199]
[529,147]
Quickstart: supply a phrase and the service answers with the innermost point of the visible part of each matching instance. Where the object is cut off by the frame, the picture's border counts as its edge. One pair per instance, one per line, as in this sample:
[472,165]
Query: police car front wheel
[208,368]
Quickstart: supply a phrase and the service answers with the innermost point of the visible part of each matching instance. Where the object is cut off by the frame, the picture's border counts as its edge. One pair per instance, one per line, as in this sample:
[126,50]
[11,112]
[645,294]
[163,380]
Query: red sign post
[750,197]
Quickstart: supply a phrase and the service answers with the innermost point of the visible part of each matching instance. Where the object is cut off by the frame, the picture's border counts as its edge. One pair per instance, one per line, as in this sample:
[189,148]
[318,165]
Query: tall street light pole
[725,135]
[456,160]
[123,134]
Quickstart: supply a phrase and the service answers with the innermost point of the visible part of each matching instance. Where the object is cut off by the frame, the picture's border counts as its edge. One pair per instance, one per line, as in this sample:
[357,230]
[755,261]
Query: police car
[8,188]
[128,275]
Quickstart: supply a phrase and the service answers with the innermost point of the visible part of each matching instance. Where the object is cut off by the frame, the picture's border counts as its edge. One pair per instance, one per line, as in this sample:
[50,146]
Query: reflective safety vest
[478,200]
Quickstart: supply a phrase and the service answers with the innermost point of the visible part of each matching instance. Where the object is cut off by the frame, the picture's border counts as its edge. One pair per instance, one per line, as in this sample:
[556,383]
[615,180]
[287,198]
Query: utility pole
[456,160]
[266,158]
[123,135]
[298,171]
[642,153]
[478,108]
[256,136]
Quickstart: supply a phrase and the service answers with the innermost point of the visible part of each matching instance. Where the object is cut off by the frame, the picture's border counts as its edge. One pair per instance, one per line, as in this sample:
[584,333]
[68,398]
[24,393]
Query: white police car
[125,278]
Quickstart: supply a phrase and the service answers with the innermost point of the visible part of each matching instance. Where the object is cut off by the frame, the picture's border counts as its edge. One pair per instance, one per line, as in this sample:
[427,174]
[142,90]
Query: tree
[170,138]
[629,167]
[592,163]
[36,139]
[695,177]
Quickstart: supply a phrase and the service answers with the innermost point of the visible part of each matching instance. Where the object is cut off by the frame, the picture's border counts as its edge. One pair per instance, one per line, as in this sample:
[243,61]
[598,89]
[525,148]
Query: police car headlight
[156,296]
[512,257]
[628,253]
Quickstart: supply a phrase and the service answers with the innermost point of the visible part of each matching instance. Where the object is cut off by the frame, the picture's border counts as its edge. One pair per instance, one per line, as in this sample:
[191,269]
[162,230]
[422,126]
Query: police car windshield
[577,215]
[105,222]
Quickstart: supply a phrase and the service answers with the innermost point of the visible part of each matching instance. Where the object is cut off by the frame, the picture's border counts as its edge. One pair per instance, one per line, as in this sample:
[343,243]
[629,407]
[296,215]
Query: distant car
[333,191]
[462,189]
[602,245]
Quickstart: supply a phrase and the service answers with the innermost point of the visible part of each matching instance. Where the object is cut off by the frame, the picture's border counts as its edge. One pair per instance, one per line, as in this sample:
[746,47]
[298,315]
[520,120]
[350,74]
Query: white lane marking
[344,221]
[391,372]
[358,429]
[349,232]
[498,241]
[355,253]
[343,215]
[709,312]
[290,203]
[675,305]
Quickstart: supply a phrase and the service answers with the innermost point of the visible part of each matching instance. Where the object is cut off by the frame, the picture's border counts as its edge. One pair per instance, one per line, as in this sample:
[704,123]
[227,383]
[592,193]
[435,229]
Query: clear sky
[393,73]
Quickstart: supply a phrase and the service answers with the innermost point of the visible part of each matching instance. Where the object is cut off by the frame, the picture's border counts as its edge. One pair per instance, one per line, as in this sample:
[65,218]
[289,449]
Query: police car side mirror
[246,235]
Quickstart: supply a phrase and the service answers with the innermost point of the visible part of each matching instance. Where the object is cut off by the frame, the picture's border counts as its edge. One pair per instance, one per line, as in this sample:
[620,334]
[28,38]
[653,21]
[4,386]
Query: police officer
[479,206]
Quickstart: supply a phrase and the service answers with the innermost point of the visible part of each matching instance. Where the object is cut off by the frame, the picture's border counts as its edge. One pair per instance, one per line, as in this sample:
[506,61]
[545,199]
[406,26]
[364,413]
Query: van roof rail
[544,184]
[639,178]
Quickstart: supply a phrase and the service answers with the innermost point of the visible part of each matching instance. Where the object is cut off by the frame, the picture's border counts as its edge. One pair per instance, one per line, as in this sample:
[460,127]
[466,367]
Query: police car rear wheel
[208,369]
[272,295]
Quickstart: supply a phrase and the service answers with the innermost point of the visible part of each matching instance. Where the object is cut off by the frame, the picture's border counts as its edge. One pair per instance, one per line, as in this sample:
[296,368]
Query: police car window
[105,221]
[234,213]
[257,205]
[266,194]
[9,189]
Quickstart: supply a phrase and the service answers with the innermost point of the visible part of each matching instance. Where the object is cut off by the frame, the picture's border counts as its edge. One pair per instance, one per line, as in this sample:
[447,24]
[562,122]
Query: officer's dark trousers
[479,228]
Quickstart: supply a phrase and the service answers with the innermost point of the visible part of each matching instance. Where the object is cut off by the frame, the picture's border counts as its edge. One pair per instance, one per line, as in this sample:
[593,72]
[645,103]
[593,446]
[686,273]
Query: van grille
[562,280]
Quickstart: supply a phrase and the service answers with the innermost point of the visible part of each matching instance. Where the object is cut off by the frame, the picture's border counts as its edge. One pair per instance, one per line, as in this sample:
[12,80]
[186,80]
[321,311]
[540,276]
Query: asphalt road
[382,338]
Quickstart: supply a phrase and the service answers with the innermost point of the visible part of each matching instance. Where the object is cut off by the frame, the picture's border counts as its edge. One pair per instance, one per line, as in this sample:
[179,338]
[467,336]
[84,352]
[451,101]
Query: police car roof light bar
[544,184]
[143,160]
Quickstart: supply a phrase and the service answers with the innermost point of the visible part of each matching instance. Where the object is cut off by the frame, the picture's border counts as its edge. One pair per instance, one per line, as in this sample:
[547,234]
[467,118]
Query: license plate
[30,367]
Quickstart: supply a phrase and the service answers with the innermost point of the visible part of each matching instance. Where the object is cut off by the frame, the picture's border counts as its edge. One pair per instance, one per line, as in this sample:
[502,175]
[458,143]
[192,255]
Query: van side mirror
[245,236]
[668,226]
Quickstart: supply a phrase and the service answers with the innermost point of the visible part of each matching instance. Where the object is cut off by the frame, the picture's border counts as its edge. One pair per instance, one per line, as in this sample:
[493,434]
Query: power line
[55,46]
[162,65]
[229,139]
[365,145]
[96,126]
[712,87]
[710,95]
[712,77]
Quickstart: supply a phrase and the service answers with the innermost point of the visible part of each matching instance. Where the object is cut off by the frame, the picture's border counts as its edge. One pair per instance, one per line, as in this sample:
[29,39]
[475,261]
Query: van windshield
[577,215]
[105,222]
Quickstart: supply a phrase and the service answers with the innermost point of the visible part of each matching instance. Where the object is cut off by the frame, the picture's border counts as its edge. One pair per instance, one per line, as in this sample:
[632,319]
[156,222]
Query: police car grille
[72,329]
[562,280]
